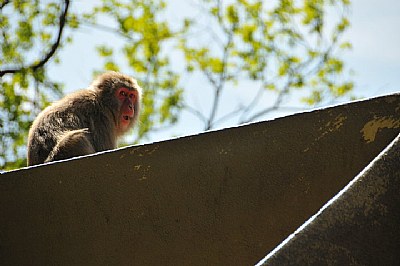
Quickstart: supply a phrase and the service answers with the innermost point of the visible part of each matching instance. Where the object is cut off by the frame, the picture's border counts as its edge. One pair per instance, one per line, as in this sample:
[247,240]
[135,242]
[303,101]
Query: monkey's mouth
[125,120]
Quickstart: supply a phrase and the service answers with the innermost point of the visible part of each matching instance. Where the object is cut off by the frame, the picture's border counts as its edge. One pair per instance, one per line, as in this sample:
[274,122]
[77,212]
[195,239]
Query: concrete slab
[222,197]
[360,226]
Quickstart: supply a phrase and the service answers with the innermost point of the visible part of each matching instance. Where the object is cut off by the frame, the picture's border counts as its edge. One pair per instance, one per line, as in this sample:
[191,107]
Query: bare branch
[290,108]
[253,103]
[210,78]
[52,50]
[195,112]
[221,83]
[228,115]
[220,16]
[274,107]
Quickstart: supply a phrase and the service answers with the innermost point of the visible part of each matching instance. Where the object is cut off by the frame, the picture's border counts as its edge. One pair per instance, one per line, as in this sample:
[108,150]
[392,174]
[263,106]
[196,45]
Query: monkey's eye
[122,93]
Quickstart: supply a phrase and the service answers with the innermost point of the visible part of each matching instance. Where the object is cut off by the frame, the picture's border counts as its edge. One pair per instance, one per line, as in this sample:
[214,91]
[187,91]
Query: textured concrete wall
[361,226]
[223,197]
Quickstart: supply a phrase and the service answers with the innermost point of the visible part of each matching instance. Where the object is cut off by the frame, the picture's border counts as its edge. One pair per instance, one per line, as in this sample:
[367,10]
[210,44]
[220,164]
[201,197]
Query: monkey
[87,121]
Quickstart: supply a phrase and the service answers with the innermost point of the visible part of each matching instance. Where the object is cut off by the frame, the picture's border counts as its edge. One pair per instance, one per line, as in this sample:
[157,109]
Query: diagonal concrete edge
[359,226]
[222,197]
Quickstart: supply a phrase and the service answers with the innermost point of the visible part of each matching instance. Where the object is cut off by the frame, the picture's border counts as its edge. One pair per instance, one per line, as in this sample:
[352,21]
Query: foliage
[278,47]
[30,34]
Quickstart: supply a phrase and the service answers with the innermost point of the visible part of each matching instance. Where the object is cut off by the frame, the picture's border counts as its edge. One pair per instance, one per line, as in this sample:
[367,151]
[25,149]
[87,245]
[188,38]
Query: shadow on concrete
[222,197]
[360,226]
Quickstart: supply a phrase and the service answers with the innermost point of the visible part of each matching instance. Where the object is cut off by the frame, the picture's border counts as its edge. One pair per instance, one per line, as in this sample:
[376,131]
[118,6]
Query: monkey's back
[73,112]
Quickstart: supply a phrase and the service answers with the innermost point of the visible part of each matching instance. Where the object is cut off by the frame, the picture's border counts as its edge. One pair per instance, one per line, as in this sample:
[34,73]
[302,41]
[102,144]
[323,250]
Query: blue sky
[375,35]
[375,57]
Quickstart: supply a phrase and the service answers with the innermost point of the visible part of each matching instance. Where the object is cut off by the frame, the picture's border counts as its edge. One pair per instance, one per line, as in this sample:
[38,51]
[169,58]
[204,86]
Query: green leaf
[128,24]
[232,14]
[104,51]
[346,45]
[109,65]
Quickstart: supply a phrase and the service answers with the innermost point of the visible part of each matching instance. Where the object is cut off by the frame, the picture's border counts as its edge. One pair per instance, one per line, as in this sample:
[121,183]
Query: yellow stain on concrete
[332,126]
[223,152]
[145,172]
[150,152]
[336,123]
[372,127]
[134,150]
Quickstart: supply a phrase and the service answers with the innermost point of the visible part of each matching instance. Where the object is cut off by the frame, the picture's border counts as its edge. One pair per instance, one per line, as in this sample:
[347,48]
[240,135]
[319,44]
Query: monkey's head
[121,95]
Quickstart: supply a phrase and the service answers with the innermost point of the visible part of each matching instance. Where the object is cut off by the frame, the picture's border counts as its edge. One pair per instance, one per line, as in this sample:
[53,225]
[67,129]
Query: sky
[375,35]
[374,59]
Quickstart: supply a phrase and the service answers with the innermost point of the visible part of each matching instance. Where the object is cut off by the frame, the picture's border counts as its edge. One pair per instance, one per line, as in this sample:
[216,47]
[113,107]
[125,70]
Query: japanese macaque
[86,121]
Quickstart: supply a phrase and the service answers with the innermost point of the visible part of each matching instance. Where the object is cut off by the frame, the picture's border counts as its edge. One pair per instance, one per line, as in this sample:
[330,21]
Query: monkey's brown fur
[82,123]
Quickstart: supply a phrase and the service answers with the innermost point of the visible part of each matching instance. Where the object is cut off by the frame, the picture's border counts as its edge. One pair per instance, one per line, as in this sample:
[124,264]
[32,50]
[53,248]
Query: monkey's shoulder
[69,110]
[78,102]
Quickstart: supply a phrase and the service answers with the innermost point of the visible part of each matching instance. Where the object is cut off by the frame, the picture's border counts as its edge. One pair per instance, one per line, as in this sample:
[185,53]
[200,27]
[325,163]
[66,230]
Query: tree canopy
[276,48]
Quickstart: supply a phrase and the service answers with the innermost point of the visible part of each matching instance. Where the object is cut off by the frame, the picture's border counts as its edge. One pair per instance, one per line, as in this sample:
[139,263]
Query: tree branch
[3,4]
[274,107]
[221,82]
[253,103]
[228,115]
[195,112]
[52,50]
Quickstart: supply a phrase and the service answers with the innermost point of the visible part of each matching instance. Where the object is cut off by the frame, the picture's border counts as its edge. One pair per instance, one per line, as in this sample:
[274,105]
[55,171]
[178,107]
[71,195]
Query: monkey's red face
[127,100]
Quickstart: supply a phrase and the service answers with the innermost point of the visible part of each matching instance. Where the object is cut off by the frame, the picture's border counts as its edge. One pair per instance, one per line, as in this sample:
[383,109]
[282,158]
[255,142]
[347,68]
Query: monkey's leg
[73,143]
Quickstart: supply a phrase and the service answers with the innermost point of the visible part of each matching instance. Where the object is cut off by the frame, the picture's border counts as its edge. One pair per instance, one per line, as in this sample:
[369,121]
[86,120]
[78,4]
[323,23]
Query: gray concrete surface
[223,197]
[361,226]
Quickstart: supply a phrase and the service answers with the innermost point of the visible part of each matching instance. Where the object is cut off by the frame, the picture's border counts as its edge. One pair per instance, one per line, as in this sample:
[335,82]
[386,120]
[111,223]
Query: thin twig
[228,115]
[253,103]
[274,107]
[221,83]
[195,112]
